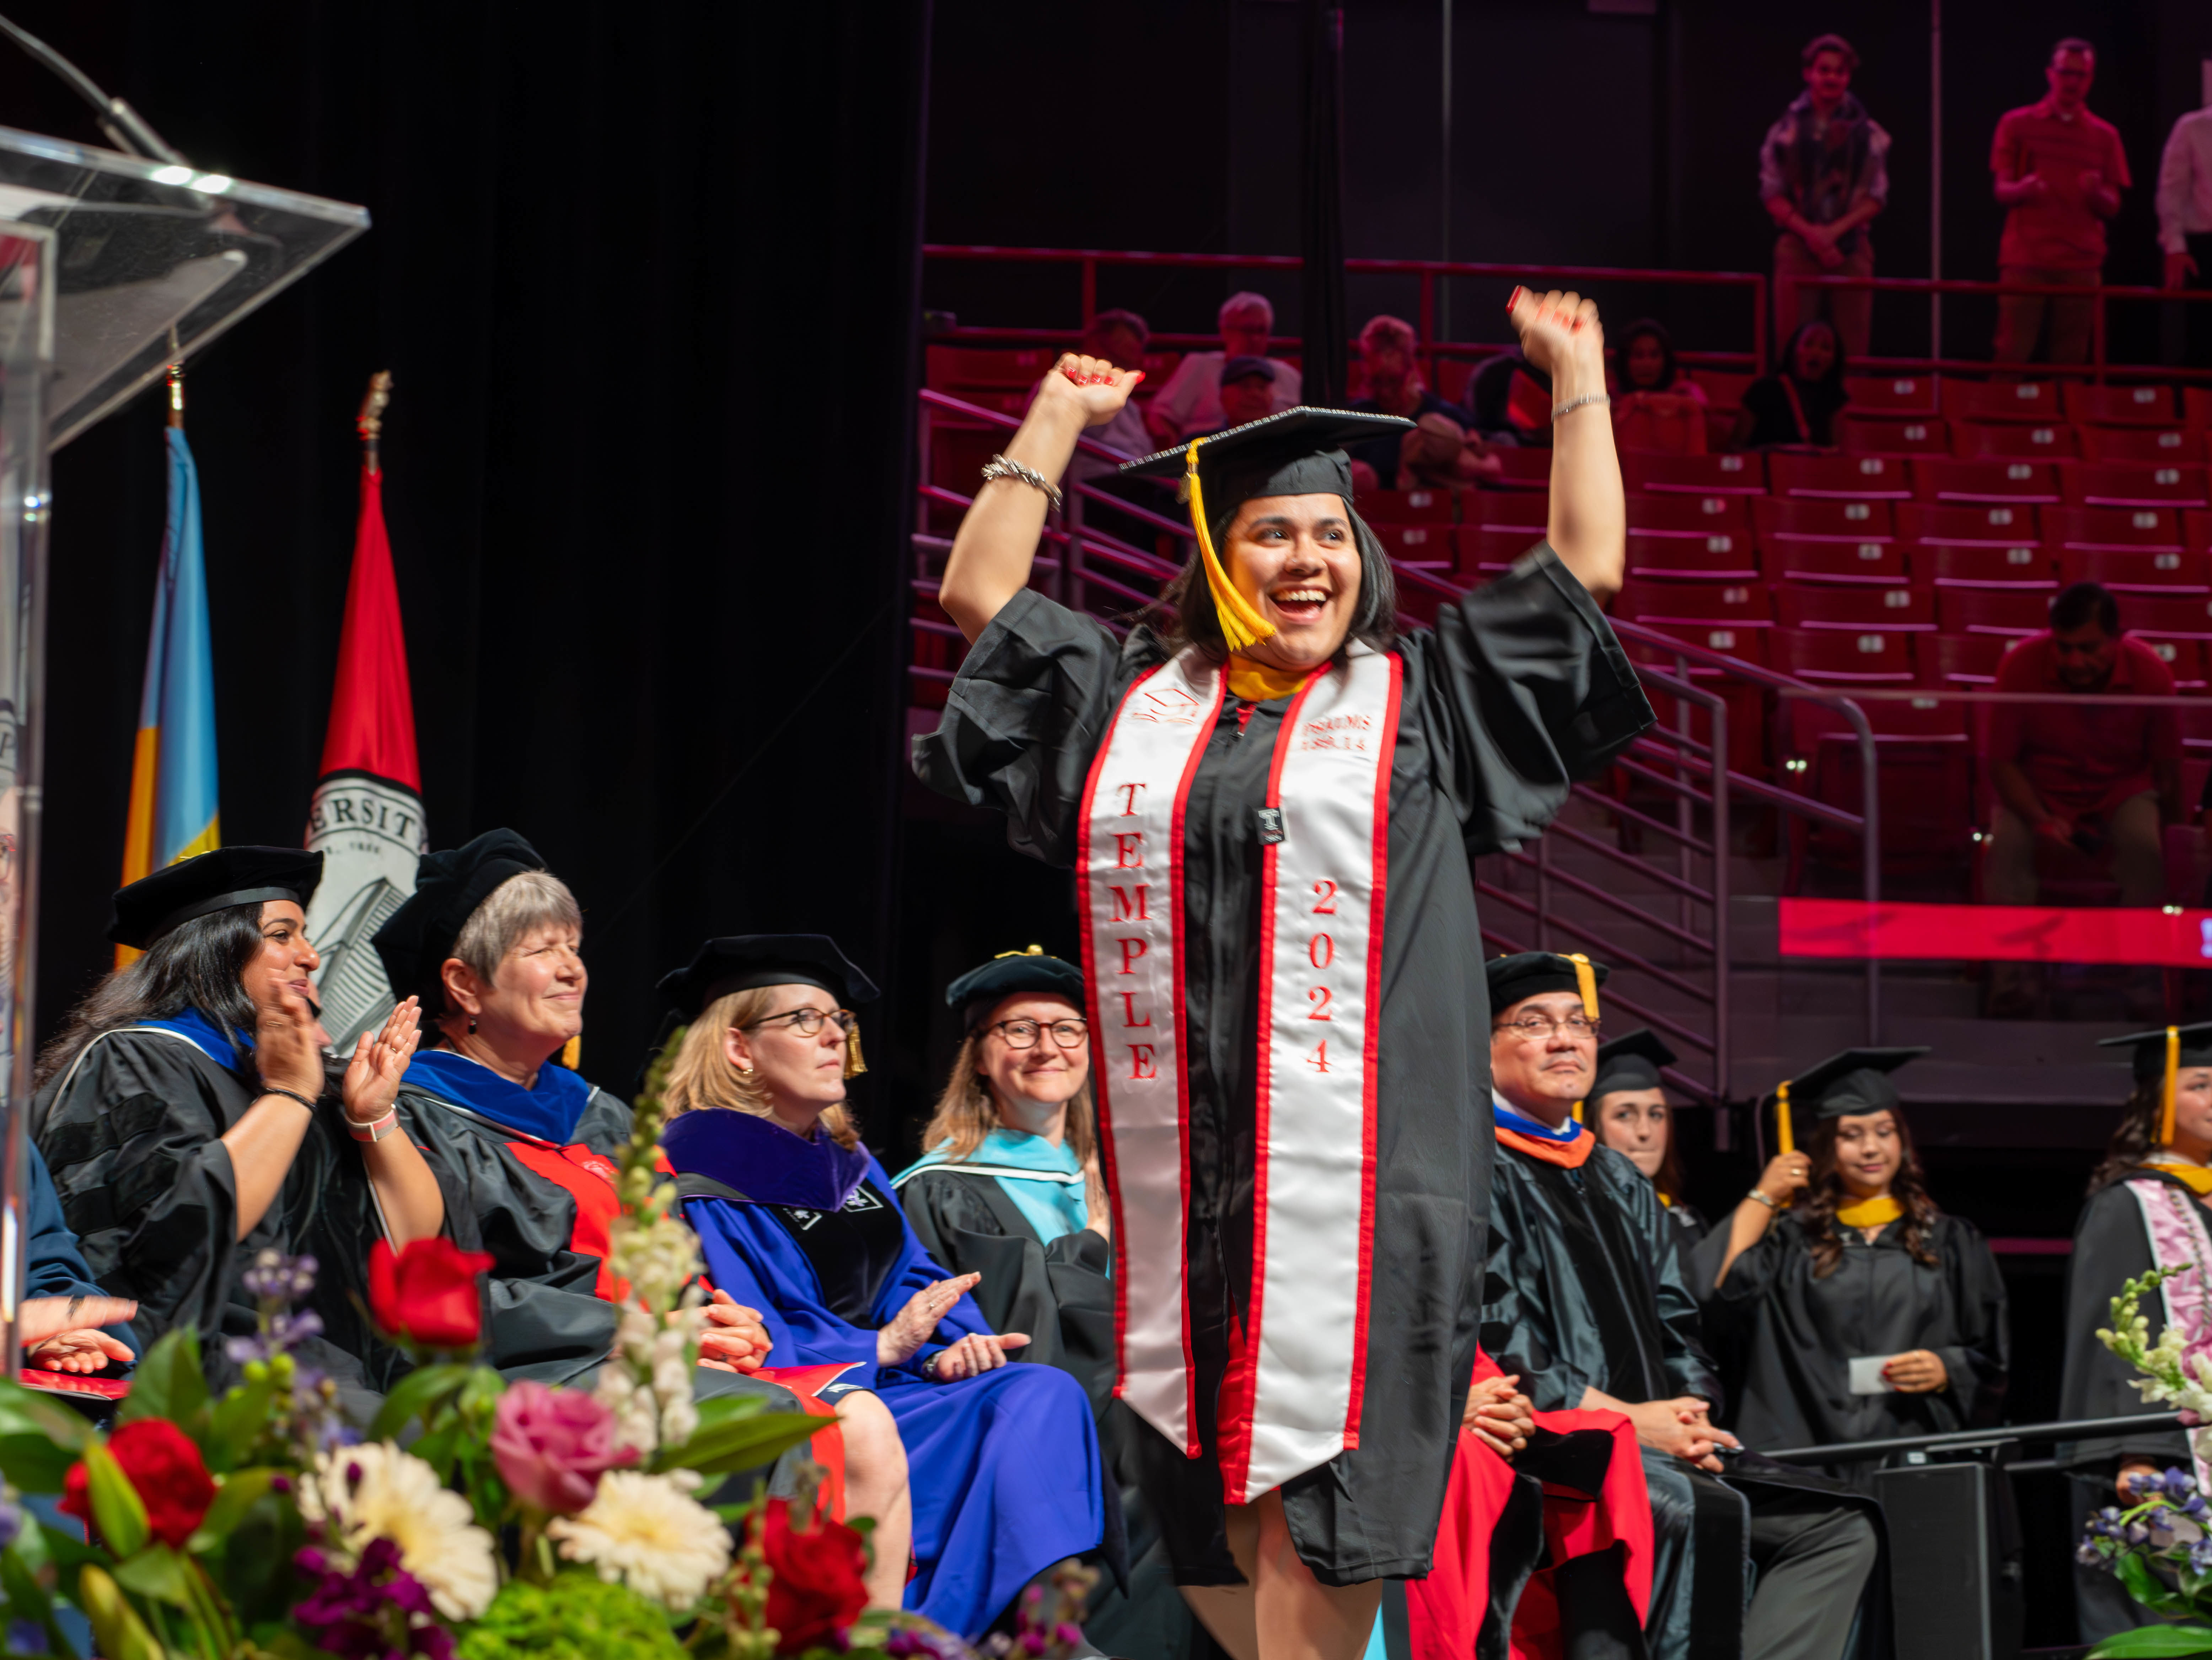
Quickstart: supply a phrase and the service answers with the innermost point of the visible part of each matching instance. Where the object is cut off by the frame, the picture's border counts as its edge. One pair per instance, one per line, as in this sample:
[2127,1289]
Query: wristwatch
[376,1130]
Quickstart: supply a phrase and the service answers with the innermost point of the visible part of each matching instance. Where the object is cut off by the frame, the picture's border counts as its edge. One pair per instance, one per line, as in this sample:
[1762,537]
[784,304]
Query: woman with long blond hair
[796,1219]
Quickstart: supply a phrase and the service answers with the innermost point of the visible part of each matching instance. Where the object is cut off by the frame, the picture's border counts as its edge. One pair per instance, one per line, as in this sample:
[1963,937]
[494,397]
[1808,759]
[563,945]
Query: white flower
[378,1492]
[648,1532]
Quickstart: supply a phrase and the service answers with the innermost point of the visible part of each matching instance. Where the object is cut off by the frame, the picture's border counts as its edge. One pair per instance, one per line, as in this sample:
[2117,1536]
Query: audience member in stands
[1658,406]
[1247,394]
[1443,452]
[1191,401]
[1587,1302]
[190,1122]
[2184,222]
[1119,338]
[2060,171]
[796,1217]
[1824,174]
[1509,401]
[2146,1209]
[1796,407]
[2099,779]
[1864,1311]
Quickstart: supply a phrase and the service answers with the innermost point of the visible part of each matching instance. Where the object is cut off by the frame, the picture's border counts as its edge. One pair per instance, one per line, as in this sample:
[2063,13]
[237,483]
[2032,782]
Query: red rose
[166,1470]
[816,1591]
[427,1293]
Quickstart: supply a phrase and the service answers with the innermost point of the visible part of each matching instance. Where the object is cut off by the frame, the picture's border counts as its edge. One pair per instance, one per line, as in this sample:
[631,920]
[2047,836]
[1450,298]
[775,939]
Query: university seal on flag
[370,833]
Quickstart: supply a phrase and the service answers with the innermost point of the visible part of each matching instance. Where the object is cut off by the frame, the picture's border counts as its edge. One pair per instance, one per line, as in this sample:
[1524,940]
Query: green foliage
[421,1394]
[27,1600]
[2154,1643]
[169,1383]
[239,1423]
[117,1510]
[576,1617]
[40,1439]
[746,1437]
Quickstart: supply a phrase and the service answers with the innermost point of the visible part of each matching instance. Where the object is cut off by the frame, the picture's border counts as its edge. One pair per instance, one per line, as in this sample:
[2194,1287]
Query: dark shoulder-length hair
[2136,1138]
[196,965]
[1831,383]
[1185,615]
[1817,1214]
[1670,371]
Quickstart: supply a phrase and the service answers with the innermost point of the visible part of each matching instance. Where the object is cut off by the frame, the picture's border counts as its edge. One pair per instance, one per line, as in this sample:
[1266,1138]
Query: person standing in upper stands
[1824,174]
[2102,780]
[2060,170]
[1443,451]
[1586,1301]
[2146,1209]
[1191,401]
[1865,1311]
[2185,223]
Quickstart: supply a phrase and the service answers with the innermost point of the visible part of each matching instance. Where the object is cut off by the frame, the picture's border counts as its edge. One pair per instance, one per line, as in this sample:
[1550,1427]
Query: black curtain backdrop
[646,277]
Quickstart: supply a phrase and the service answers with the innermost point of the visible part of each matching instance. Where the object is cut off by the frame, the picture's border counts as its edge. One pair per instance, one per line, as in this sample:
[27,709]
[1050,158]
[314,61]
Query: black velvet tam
[1533,974]
[449,885]
[154,904]
[1012,972]
[740,962]
[1292,452]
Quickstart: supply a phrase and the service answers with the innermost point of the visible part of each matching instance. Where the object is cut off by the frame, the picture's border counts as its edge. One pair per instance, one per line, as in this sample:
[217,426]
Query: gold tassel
[573,1051]
[1241,626]
[2173,1072]
[1586,983]
[1785,1136]
[854,1064]
[1578,1112]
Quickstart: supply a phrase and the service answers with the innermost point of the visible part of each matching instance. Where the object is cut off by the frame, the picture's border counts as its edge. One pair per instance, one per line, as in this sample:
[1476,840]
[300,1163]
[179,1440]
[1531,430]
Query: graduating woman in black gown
[191,1123]
[1629,1113]
[1268,798]
[1864,1311]
[2146,1209]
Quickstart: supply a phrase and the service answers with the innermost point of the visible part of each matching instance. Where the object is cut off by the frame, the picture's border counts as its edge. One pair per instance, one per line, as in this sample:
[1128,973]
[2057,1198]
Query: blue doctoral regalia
[52,1265]
[1003,1469]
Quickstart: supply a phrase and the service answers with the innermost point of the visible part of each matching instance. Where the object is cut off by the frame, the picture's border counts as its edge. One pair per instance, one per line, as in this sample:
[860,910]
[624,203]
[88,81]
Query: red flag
[366,815]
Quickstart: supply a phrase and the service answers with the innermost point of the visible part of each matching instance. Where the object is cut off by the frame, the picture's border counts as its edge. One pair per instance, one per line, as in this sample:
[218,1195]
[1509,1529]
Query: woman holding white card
[1862,1309]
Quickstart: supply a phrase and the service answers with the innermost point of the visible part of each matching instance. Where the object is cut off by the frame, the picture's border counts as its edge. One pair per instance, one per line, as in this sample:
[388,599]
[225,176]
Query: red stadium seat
[1519,509]
[1749,644]
[2013,440]
[1992,611]
[2186,658]
[1828,605]
[1855,477]
[1959,478]
[1839,656]
[1521,469]
[2197,406]
[2196,529]
[1689,515]
[1712,558]
[1741,605]
[2169,443]
[1723,389]
[1882,394]
[1823,516]
[1960,659]
[2135,484]
[2112,527]
[1655,470]
[1407,506]
[2119,406]
[1421,543]
[2158,569]
[1823,559]
[1913,435]
[2175,616]
[2024,400]
[1977,565]
[1485,550]
[953,368]
[1955,522]
[1925,779]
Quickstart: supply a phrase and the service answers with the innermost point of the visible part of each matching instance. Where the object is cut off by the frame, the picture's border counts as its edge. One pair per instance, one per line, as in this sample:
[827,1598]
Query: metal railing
[1967,1440]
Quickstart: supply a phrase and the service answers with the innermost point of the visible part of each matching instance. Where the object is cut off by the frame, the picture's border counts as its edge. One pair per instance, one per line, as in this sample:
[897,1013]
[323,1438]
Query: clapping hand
[912,1326]
[973,1354]
[1498,1415]
[380,1061]
[288,1044]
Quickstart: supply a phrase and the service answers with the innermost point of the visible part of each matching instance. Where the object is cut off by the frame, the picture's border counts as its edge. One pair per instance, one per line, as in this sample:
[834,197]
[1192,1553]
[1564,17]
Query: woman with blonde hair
[795,1218]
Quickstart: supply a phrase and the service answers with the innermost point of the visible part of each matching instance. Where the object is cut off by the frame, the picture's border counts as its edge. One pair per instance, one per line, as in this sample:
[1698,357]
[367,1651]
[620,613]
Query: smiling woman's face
[1297,559]
[286,962]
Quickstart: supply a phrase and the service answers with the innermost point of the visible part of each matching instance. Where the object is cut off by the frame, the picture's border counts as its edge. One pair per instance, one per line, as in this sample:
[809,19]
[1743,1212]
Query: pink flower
[553,1445]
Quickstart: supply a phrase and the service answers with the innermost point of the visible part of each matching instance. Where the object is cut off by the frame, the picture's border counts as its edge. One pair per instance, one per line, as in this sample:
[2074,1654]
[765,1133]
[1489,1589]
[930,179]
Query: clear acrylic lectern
[112,268]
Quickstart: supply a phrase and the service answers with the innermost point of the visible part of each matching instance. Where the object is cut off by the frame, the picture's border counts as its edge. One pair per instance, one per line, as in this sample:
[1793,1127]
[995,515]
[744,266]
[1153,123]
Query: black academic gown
[2109,1248]
[1519,690]
[1798,1333]
[1587,1288]
[147,1186]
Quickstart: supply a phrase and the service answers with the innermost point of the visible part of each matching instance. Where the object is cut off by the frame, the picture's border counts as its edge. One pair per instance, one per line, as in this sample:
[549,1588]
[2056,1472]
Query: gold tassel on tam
[1585,983]
[1241,626]
[2165,1099]
[854,1064]
[1785,1136]
[573,1051]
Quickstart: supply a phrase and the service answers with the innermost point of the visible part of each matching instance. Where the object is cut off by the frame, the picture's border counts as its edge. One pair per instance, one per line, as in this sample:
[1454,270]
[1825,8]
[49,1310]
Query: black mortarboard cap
[154,903]
[1630,1062]
[1534,973]
[1856,1081]
[1296,451]
[449,885]
[2149,1047]
[741,962]
[1009,973]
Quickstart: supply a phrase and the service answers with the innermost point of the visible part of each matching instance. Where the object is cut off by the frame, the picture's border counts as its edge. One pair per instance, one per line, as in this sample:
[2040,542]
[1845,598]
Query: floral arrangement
[2159,1547]
[474,1519]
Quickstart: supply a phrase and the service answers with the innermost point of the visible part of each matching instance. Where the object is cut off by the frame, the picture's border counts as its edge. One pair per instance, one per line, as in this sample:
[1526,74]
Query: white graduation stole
[1294,1403]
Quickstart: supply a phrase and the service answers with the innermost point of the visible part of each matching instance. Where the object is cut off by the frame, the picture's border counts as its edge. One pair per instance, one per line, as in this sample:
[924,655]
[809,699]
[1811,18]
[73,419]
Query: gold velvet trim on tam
[1241,626]
[1869,1213]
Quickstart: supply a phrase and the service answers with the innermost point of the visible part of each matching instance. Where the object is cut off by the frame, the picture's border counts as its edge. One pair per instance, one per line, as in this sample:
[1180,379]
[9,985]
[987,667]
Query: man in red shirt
[2098,777]
[2061,170]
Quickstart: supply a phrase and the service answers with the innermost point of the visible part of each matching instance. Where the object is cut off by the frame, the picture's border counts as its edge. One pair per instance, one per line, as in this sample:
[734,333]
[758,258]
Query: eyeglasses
[1538,1028]
[1022,1034]
[808,1021]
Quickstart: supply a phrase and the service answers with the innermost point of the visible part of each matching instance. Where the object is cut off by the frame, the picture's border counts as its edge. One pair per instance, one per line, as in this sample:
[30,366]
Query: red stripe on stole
[1092,1008]
[1373,1001]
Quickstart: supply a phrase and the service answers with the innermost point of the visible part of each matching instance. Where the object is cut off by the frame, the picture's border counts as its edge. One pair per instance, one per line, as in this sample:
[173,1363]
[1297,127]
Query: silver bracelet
[999,467]
[1763,1199]
[1574,404]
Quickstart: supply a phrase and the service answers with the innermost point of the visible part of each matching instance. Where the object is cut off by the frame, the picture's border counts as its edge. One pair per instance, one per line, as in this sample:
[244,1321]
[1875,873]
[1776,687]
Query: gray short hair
[532,900]
[1246,301]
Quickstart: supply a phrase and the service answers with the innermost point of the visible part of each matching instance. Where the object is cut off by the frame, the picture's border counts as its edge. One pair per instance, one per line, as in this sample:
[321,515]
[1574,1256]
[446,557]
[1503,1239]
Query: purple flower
[276,1278]
[11,1523]
[378,1611]
[909,1644]
[2089,1556]
[26,1636]
[553,1445]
